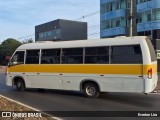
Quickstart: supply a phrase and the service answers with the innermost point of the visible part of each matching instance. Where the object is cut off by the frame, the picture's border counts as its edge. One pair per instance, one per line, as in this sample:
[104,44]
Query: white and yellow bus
[122,64]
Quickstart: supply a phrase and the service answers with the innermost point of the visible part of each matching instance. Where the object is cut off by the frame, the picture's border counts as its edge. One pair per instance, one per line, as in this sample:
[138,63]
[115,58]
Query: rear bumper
[150,84]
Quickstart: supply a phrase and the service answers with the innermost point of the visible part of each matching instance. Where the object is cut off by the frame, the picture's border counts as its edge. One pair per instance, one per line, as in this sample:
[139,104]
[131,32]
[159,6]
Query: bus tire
[91,90]
[20,85]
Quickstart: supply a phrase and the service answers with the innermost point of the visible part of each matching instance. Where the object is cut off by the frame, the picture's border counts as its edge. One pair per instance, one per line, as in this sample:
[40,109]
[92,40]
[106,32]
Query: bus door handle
[60,74]
[38,73]
[141,76]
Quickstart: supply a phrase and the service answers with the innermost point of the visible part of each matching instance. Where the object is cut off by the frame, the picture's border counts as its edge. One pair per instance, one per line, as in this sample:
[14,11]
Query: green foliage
[9,46]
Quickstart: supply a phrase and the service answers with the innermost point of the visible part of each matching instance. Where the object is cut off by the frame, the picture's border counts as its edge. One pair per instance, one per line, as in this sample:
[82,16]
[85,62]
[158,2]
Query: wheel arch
[15,78]
[83,82]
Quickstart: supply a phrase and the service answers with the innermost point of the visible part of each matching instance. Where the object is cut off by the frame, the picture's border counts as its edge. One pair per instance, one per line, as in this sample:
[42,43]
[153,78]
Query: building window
[105,8]
[156,13]
[40,35]
[123,4]
[139,18]
[50,33]
[97,55]
[117,22]
[50,56]
[123,21]
[114,6]
[142,1]
[58,31]
[128,4]
[106,24]
[113,23]
[149,17]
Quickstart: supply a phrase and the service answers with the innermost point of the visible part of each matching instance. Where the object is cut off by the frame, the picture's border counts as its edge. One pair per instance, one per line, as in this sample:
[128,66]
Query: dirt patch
[7,105]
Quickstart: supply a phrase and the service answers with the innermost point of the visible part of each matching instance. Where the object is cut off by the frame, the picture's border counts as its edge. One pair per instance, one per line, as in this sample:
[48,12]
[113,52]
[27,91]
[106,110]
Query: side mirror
[11,64]
[14,63]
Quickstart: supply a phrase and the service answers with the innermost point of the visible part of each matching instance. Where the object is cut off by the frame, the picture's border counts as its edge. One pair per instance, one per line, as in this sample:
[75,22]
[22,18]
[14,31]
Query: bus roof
[85,43]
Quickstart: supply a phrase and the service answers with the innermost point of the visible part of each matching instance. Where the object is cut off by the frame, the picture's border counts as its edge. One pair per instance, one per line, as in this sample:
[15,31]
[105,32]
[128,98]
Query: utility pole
[151,28]
[132,19]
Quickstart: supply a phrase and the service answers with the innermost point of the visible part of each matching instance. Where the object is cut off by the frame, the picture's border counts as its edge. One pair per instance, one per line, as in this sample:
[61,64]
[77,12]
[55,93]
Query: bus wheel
[20,85]
[91,90]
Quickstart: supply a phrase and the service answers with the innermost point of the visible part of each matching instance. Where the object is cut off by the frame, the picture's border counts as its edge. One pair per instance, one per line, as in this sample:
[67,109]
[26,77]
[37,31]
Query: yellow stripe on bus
[85,69]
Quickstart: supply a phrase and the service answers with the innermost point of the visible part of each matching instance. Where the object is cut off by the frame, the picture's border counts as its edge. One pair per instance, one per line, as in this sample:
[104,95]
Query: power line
[82,17]
[93,33]
[23,37]
[94,25]
[88,15]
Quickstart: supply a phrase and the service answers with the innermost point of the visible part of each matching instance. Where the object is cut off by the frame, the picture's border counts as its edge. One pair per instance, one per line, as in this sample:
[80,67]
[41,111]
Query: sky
[18,18]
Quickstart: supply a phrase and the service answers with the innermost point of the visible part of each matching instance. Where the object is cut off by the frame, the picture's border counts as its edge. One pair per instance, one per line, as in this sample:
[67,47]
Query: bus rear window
[126,54]
[151,50]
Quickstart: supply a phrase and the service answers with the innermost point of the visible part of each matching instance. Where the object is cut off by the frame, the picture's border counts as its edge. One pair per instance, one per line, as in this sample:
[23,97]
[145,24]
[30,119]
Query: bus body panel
[116,78]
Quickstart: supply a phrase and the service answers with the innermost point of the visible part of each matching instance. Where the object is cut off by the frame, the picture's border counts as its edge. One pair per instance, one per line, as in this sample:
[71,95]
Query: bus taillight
[150,73]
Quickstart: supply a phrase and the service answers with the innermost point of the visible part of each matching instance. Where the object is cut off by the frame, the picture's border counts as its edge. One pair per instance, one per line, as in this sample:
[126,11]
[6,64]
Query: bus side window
[50,56]
[72,56]
[32,56]
[127,54]
[97,55]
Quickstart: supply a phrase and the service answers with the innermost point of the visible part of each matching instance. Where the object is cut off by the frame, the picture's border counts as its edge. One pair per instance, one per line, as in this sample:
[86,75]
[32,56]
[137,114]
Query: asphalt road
[53,100]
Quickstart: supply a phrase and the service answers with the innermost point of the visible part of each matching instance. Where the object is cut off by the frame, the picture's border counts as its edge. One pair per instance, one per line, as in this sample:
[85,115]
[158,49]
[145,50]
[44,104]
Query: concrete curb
[56,118]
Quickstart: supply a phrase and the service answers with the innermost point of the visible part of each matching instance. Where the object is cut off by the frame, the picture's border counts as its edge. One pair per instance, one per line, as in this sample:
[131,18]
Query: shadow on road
[57,92]
[134,99]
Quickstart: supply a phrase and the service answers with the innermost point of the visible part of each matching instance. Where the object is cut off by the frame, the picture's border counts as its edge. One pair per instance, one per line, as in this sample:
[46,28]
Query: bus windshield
[18,58]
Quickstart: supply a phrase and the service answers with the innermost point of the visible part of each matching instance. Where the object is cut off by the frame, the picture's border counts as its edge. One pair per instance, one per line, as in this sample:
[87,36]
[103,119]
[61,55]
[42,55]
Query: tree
[8,47]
